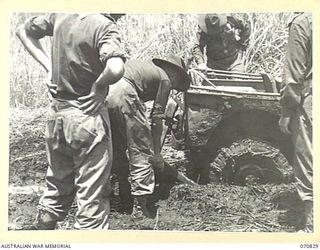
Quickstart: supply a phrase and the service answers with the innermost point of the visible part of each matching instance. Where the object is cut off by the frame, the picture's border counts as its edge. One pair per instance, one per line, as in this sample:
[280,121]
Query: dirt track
[212,207]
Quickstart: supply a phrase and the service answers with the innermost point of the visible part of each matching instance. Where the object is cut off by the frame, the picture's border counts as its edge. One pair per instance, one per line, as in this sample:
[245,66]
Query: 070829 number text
[313,246]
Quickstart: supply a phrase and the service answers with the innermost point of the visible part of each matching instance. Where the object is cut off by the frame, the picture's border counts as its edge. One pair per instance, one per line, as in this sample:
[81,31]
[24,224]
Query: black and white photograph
[191,122]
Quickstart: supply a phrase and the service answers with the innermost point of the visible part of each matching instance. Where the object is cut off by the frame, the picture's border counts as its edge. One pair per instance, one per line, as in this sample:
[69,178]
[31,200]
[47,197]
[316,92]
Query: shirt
[222,47]
[297,71]
[151,83]
[81,46]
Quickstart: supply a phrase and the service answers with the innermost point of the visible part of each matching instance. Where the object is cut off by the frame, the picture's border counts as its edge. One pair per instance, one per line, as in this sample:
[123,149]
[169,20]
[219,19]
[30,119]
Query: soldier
[136,143]
[225,38]
[296,103]
[86,59]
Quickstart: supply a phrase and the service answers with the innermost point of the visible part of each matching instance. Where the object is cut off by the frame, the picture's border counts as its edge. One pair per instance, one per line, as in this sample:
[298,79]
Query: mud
[211,207]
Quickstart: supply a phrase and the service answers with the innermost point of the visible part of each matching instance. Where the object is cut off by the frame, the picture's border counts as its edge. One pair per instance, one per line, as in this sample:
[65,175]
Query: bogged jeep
[229,126]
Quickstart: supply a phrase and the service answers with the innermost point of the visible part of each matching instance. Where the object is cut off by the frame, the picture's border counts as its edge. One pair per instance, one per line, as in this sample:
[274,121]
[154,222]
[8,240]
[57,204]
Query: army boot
[44,221]
[141,215]
[140,210]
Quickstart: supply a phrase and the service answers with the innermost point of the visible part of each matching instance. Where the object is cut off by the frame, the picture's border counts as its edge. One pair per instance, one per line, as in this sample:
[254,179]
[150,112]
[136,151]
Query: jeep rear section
[231,124]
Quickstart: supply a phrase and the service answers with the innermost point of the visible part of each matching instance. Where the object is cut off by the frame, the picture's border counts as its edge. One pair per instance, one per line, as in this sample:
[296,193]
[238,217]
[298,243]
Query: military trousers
[79,150]
[132,139]
[301,126]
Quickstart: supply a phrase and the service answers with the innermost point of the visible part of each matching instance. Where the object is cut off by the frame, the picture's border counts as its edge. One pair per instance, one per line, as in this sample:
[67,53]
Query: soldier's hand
[284,123]
[157,161]
[94,100]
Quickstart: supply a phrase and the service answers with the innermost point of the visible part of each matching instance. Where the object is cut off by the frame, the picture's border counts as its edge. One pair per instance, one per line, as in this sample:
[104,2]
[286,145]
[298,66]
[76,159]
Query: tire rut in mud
[253,158]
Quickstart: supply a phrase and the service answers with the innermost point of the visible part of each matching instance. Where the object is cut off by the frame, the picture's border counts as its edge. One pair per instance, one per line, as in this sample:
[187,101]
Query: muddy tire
[251,161]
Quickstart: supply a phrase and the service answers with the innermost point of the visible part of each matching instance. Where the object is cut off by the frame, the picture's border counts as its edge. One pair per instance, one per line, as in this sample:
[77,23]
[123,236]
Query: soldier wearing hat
[136,143]
[224,37]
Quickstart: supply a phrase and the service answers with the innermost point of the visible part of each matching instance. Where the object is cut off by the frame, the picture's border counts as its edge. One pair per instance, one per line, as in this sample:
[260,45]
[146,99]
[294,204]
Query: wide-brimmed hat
[211,23]
[175,64]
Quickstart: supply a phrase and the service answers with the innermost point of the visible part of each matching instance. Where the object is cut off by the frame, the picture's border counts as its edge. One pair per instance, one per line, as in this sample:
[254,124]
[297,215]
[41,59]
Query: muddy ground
[211,207]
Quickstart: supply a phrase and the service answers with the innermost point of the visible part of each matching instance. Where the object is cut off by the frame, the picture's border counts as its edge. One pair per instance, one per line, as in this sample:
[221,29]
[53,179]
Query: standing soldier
[225,38]
[86,59]
[296,103]
[136,143]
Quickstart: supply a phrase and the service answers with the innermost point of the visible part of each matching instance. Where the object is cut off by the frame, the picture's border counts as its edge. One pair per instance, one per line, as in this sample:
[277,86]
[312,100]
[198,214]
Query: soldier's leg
[120,164]
[303,163]
[131,118]
[92,149]
[121,167]
[139,151]
[59,194]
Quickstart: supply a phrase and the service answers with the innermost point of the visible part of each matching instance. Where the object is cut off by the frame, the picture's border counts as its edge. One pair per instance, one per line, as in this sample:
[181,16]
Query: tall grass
[269,35]
[146,36]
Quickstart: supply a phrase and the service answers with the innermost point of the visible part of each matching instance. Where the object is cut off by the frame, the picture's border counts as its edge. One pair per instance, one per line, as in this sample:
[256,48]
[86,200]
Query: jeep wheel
[251,161]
